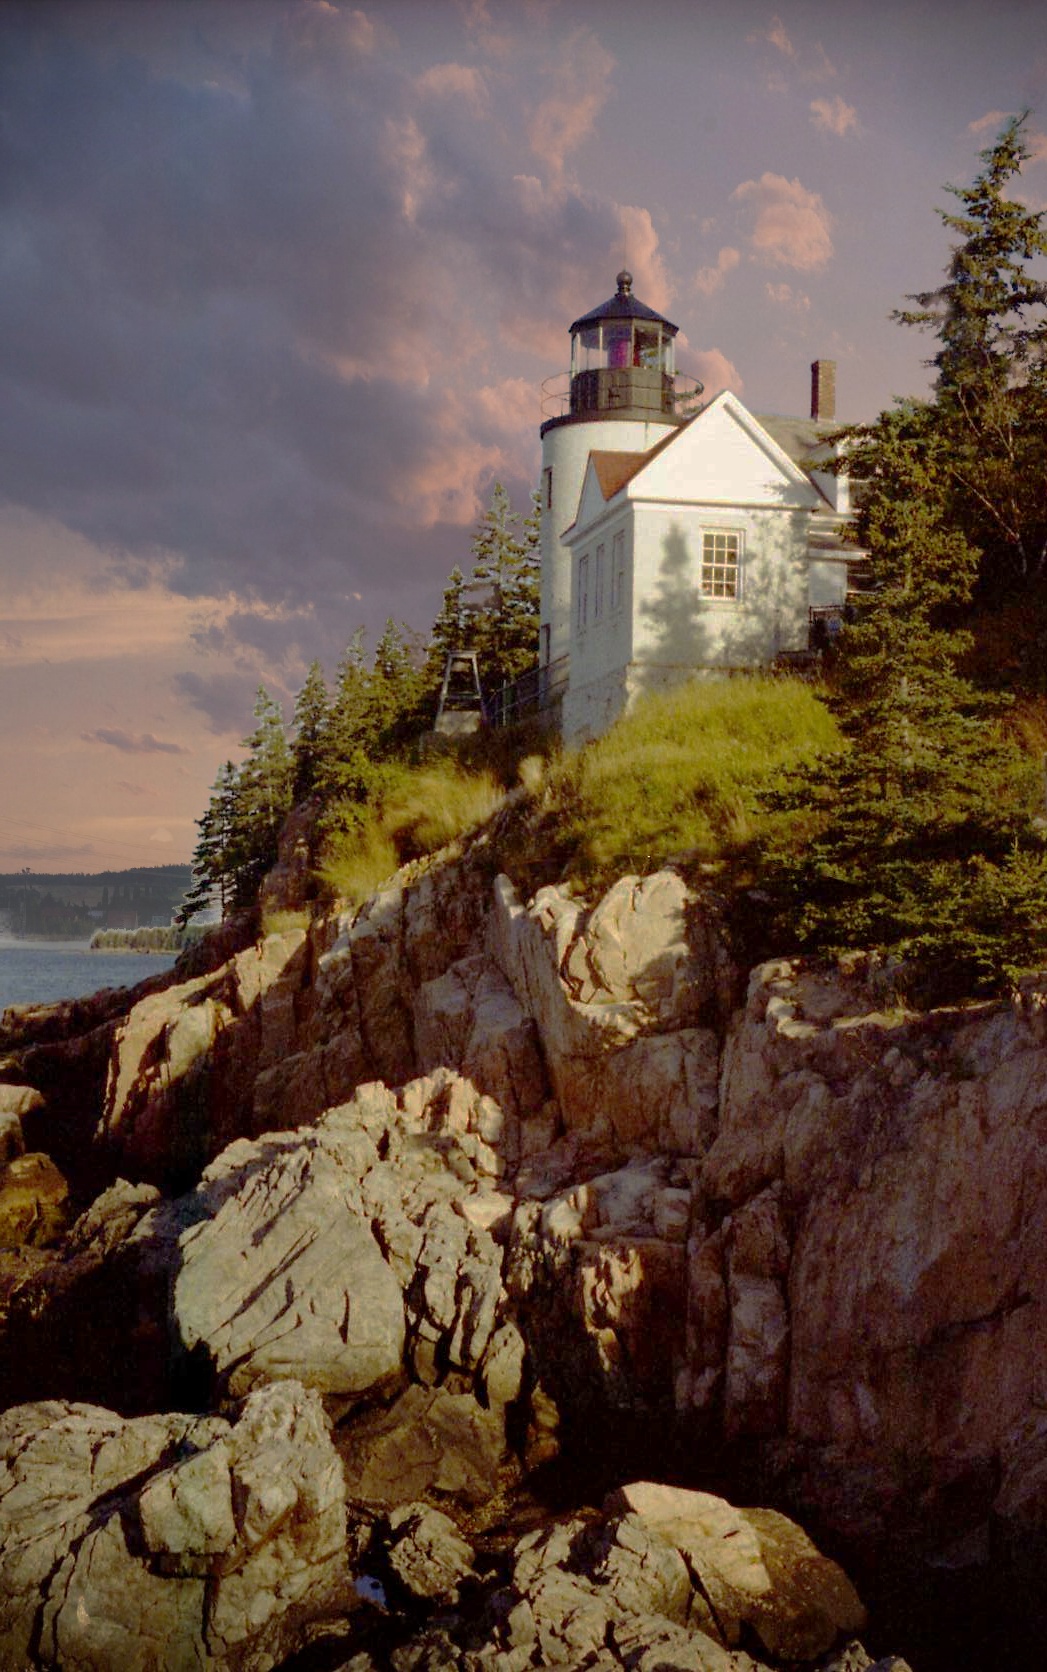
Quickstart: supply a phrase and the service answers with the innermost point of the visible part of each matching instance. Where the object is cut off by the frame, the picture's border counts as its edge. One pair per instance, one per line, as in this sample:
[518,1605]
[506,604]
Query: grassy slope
[679,777]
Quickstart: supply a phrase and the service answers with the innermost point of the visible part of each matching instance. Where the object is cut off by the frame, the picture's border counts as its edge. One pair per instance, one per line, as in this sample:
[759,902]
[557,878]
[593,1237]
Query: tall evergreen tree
[446,635]
[310,722]
[396,687]
[506,634]
[348,744]
[215,855]
[990,318]
[263,798]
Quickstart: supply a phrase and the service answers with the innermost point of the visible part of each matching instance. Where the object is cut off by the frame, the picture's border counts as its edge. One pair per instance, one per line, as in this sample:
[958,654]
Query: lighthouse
[622,398]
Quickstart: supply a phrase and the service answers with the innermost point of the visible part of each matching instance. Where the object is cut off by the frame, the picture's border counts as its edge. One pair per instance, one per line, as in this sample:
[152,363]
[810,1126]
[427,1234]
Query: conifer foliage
[924,843]
[990,318]
[505,633]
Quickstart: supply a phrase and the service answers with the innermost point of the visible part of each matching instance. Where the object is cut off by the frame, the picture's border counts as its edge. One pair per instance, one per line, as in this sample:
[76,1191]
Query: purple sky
[281,280]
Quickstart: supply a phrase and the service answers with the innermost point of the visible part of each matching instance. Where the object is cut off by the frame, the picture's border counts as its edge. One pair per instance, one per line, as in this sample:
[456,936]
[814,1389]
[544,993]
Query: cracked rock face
[329,1253]
[866,1273]
[167,1542]
[662,1579]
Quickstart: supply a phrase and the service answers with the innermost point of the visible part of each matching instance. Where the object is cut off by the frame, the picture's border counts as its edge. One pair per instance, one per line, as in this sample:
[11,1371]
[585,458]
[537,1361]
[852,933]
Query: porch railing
[535,691]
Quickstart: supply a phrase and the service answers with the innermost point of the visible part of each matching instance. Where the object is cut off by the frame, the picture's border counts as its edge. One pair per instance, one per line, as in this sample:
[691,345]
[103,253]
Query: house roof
[802,438]
[613,470]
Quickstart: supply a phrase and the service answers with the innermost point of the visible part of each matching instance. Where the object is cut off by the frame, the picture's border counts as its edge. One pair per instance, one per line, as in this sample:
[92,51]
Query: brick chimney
[823,389]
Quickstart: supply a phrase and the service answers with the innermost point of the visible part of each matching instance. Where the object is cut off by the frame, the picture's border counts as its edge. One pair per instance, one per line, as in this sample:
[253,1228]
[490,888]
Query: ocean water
[41,972]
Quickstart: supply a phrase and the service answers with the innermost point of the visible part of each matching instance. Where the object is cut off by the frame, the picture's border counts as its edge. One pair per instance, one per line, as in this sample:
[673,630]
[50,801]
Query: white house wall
[676,626]
[605,642]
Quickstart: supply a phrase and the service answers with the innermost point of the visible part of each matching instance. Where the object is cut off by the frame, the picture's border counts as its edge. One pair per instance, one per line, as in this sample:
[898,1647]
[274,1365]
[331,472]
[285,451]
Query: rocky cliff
[499,1204]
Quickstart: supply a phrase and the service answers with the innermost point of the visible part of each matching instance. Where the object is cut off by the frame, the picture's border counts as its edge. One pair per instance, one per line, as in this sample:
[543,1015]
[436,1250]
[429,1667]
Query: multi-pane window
[583,592]
[721,551]
[598,588]
[618,570]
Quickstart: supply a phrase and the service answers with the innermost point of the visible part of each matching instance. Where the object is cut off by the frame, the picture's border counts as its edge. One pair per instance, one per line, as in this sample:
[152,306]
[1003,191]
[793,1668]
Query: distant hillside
[73,905]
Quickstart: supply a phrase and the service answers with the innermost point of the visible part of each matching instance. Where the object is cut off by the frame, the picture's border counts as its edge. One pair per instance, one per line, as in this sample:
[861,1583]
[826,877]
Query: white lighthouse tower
[623,399]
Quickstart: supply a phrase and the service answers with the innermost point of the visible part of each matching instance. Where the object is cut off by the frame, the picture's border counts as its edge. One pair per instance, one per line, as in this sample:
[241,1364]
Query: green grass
[679,777]
[423,809]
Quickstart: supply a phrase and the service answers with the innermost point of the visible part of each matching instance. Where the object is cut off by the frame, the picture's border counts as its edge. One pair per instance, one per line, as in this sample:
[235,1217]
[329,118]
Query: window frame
[712,562]
[598,579]
[582,611]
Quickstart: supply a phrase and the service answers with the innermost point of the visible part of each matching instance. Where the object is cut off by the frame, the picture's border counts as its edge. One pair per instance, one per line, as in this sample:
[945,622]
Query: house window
[547,485]
[598,588]
[545,638]
[721,554]
[618,570]
[583,592]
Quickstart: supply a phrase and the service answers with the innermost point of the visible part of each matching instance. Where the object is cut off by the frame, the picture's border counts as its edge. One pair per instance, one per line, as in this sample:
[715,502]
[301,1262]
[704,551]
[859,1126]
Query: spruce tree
[445,636]
[214,857]
[263,798]
[348,743]
[396,688]
[506,635]
[310,721]
[990,318]
[923,846]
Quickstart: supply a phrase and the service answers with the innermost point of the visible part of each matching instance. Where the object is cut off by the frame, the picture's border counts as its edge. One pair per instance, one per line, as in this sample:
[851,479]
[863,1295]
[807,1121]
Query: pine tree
[263,799]
[396,688]
[214,857]
[310,721]
[924,847]
[990,317]
[348,743]
[506,635]
[445,636]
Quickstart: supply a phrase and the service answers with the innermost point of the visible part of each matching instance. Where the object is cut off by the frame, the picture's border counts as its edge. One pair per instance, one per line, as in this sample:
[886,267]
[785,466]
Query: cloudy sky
[280,281]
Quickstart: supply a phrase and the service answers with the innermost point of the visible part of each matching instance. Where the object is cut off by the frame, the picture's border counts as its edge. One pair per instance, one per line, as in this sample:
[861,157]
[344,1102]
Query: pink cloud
[832,116]
[406,150]
[784,296]
[319,35]
[713,369]
[791,225]
[775,35]
[651,282]
[455,81]
[708,280]
[991,119]
[448,481]
[581,82]
[512,405]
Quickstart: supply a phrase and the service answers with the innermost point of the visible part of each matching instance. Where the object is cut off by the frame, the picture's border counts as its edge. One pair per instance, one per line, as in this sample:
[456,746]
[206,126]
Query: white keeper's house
[676,537]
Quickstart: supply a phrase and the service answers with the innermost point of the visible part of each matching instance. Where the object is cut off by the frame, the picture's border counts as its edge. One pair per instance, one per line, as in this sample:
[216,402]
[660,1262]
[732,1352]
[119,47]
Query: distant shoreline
[64,943]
